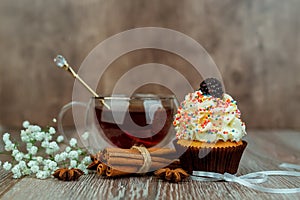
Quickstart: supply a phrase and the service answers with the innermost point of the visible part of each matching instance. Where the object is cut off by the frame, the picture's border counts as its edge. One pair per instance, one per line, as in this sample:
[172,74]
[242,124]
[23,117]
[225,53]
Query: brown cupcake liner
[220,160]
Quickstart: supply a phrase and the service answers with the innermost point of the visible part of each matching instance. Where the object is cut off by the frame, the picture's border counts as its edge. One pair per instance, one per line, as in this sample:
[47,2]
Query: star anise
[172,175]
[66,174]
[94,164]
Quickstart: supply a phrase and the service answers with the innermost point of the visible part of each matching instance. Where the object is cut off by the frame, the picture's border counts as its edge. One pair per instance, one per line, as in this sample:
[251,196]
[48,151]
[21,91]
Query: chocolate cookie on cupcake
[209,130]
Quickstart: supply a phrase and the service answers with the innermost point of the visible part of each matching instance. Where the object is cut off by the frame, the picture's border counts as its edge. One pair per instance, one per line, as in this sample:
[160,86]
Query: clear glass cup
[122,121]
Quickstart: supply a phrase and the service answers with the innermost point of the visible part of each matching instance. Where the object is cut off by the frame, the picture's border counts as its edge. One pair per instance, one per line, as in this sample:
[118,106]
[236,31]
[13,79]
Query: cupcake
[209,130]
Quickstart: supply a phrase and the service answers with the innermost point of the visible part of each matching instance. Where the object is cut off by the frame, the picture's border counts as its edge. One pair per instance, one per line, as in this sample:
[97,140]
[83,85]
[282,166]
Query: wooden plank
[258,156]
[6,181]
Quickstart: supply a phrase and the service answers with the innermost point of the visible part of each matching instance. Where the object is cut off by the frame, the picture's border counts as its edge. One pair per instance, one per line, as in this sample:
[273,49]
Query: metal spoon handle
[61,62]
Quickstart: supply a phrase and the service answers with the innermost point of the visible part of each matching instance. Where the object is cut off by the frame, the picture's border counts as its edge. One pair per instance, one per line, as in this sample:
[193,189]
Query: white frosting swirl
[208,119]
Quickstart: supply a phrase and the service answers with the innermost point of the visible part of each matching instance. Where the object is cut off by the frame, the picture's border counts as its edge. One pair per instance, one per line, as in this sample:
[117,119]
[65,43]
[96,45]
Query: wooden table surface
[265,151]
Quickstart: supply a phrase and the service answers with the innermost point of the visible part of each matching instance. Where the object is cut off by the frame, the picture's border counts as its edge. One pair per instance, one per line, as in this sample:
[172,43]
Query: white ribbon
[289,166]
[250,180]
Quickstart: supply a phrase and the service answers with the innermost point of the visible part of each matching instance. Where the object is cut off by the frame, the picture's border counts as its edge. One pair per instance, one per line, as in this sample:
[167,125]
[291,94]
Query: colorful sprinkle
[205,115]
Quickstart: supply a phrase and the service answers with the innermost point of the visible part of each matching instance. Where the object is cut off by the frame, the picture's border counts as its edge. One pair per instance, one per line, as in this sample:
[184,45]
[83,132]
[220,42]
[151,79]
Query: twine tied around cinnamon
[146,158]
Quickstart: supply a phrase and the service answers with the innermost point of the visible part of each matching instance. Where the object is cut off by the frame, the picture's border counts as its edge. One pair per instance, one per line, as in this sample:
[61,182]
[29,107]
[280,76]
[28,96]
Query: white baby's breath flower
[7,166]
[39,136]
[73,155]
[5,137]
[54,120]
[26,171]
[73,142]
[32,163]
[25,138]
[42,174]
[27,131]
[60,138]
[17,174]
[39,159]
[9,146]
[85,135]
[34,168]
[64,156]
[27,156]
[33,150]
[52,130]
[52,148]
[39,174]
[28,163]
[45,144]
[23,132]
[7,142]
[14,152]
[22,164]
[57,158]
[53,145]
[49,165]
[68,149]
[28,146]
[86,160]
[23,168]
[34,128]
[73,163]
[46,161]
[52,165]
[16,171]
[26,124]
[83,168]
[19,156]
[79,151]
[46,167]
[47,137]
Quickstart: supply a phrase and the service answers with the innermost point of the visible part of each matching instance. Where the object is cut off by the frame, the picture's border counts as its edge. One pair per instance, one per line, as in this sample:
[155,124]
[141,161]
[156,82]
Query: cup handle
[62,112]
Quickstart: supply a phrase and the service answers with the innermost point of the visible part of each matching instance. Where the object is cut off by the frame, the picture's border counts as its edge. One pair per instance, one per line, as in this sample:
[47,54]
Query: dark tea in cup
[139,120]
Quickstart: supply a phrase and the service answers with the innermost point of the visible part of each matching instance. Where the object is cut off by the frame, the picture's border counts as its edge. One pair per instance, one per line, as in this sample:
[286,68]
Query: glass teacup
[122,121]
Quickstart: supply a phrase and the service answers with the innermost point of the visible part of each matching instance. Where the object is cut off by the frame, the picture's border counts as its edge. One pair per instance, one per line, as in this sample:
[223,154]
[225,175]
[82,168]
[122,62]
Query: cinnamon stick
[133,156]
[101,169]
[136,156]
[152,151]
[135,162]
[120,170]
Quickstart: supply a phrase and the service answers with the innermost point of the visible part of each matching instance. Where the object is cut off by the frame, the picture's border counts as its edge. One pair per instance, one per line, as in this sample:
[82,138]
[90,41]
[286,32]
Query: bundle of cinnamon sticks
[116,161]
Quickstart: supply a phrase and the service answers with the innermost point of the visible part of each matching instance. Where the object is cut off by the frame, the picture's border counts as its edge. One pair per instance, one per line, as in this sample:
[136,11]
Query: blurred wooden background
[255,44]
